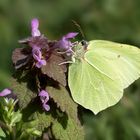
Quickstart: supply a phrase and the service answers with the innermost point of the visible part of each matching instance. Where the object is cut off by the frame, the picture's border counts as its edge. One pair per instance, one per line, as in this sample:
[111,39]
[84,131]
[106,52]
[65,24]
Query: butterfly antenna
[79,28]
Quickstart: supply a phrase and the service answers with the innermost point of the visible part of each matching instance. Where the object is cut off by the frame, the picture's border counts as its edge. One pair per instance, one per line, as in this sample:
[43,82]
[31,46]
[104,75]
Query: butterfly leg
[66,62]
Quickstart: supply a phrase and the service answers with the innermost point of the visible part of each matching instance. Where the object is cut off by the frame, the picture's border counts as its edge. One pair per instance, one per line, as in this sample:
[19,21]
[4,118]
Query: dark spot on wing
[118,56]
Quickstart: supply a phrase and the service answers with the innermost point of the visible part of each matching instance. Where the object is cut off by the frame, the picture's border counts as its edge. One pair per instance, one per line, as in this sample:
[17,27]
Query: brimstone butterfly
[101,73]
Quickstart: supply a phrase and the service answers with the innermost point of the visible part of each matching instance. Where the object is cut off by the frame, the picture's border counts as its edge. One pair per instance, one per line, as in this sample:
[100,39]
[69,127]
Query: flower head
[34,27]
[37,55]
[70,35]
[44,97]
[65,42]
[5,92]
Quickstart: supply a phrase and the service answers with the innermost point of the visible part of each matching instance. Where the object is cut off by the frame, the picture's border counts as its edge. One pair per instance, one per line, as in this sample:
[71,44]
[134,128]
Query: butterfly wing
[116,60]
[97,80]
[92,89]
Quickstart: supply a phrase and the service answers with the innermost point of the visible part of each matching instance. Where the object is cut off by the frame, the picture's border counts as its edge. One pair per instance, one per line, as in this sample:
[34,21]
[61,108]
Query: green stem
[11,133]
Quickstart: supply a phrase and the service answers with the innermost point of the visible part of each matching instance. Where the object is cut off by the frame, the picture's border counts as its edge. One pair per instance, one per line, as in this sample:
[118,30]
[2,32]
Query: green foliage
[66,126]
[2,134]
[71,131]
[29,108]
[12,126]
[62,107]
[23,93]
[43,119]
[63,100]
[29,130]
[7,115]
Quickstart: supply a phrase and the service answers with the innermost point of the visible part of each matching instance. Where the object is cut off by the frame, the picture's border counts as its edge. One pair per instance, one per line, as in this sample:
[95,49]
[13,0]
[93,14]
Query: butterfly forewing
[118,61]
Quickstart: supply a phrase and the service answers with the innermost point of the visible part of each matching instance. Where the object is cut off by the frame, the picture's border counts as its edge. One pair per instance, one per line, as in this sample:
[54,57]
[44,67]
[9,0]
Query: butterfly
[100,73]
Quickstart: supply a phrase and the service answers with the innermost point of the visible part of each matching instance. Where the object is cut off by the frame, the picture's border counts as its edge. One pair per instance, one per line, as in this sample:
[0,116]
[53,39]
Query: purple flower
[44,97]
[40,63]
[34,27]
[65,42]
[5,92]
[70,35]
[37,55]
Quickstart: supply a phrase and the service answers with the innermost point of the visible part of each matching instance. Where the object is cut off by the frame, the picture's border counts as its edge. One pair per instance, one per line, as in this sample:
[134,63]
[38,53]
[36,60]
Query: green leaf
[2,134]
[70,131]
[31,128]
[68,126]
[63,100]
[16,117]
[43,119]
[24,94]
[55,71]
[97,79]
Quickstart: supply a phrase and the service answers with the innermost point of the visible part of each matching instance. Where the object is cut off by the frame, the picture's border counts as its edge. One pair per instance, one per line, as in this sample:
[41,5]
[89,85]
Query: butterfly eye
[84,44]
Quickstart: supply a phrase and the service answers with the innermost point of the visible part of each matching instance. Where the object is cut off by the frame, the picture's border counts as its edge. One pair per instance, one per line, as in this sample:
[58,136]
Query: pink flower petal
[34,27]
[5,92]
[44,97]
[46,107]
[43,93]
[40,63]
[71,35]
[36,53]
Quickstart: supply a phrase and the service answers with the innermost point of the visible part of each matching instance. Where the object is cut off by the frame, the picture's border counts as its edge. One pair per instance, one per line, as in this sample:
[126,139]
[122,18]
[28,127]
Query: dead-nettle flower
[65,44]
[44,97]
[34,27]
[5,92]
[37,55]
[36,51]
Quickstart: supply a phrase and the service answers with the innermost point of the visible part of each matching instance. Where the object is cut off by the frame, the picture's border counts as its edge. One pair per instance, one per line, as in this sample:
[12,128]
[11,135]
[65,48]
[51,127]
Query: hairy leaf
[39,41]
[24,94]
[55,71]
[70,131]
[20,57]
[43,119]
[63,100]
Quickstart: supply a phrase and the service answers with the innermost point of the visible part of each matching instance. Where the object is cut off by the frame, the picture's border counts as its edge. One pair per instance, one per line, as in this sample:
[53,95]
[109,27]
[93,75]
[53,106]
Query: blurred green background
[115,20]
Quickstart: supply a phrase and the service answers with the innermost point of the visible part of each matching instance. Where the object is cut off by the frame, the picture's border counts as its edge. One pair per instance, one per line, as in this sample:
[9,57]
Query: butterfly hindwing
[92,89]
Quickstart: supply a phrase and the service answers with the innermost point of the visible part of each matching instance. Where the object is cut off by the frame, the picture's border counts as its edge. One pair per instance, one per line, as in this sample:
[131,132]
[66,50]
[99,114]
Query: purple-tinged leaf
[21,57]
[41,42]
[55,71]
